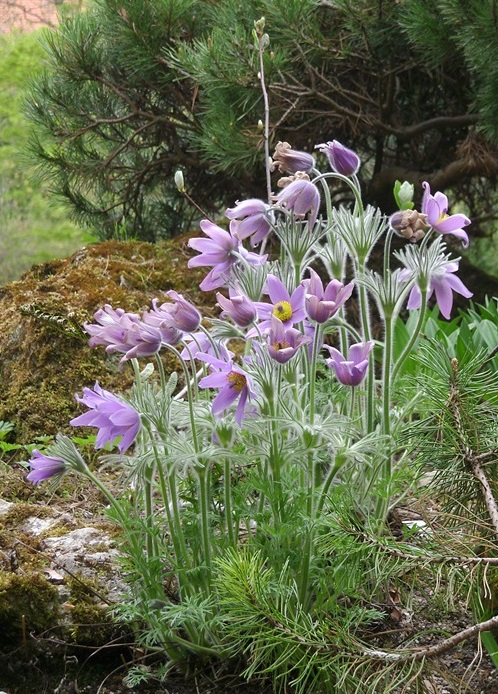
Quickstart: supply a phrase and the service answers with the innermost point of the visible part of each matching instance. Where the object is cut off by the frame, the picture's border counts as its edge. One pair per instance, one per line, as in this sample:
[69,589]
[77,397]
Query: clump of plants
[258,523]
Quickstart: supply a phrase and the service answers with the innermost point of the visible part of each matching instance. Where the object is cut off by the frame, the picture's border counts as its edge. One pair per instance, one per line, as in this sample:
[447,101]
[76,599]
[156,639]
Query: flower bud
[403,194]
[179,181]
[341,159]
[409,224]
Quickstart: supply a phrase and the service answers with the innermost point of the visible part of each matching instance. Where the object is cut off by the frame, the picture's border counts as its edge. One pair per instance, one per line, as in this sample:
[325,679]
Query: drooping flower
[44,466]
[253,218]
[237,307]
[160,323]
[113,417]
[350,371]
[111,329]
[124,333]
[232,383]
[184,315]
[341,159]
[322,303]
[436,208]
[443,282]
[302,197]
[290,160]
[283,342]
[289,308]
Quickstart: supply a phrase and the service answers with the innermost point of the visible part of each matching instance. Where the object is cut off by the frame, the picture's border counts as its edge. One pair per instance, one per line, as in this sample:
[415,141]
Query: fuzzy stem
[414,336]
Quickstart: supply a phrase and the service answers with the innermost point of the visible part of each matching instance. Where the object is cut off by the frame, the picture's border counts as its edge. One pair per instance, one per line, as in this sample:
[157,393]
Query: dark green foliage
[138,90]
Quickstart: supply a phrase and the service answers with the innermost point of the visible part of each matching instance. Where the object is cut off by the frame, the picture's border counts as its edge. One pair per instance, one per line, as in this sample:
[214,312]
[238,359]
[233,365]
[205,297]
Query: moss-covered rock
[44,358]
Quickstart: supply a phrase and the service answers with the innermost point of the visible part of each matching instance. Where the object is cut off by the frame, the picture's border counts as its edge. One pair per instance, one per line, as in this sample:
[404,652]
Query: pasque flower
[237,307]
[124,333]
[289,308]
[322,303]
[44,466]
[220,251]
[160,322]
[341,159]
[290,160]
[111,329]
[443,282]
[302,197]
[232,383]
[350,371]
[436,208]
[252,219]
[283,342]
[113,417]
[183,315]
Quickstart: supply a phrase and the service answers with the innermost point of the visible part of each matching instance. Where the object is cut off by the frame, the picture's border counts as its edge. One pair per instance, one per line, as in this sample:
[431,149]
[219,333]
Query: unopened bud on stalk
[261,125]
[403,194]
[180,181]
[259,25]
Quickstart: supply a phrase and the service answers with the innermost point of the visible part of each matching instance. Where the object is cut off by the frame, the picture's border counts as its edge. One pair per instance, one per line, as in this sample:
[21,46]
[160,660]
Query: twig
[437,649]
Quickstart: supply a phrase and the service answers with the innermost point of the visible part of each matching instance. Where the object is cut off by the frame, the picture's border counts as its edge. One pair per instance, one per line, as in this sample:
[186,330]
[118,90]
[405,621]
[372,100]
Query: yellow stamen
[282,310]
[237,381]
[282,344]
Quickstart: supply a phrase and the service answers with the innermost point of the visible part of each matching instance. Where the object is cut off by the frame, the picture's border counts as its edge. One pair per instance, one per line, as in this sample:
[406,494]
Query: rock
[44,358]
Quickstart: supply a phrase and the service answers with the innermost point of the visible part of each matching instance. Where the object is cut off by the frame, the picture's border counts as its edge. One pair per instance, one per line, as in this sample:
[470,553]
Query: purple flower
[44,466]
[341,159]
[160,324]
[124,333]
[112,328]
[443,283]
[301,196]
[110,415]
[321,304]
[288,308]
[183,315]
[436,208]
[290,160]
[238,307]
[232,383]
[218,251]
[253,220]
[283,342]
[350,371]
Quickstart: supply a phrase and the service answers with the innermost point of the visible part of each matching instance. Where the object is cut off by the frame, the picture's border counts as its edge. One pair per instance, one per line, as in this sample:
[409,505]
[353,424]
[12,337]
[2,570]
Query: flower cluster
[264,350]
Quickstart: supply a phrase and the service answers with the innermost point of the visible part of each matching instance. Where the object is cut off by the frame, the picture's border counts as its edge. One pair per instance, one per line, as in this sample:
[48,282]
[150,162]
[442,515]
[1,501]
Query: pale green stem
[365,328]
[339,462]
[414,336]
[274,461]
[304,591]
[227,488]
[148,477]
[204,499]
[386,375]
[317,342]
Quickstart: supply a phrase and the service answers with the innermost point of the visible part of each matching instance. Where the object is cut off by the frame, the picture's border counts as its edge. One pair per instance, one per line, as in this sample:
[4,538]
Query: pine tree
[137,90]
